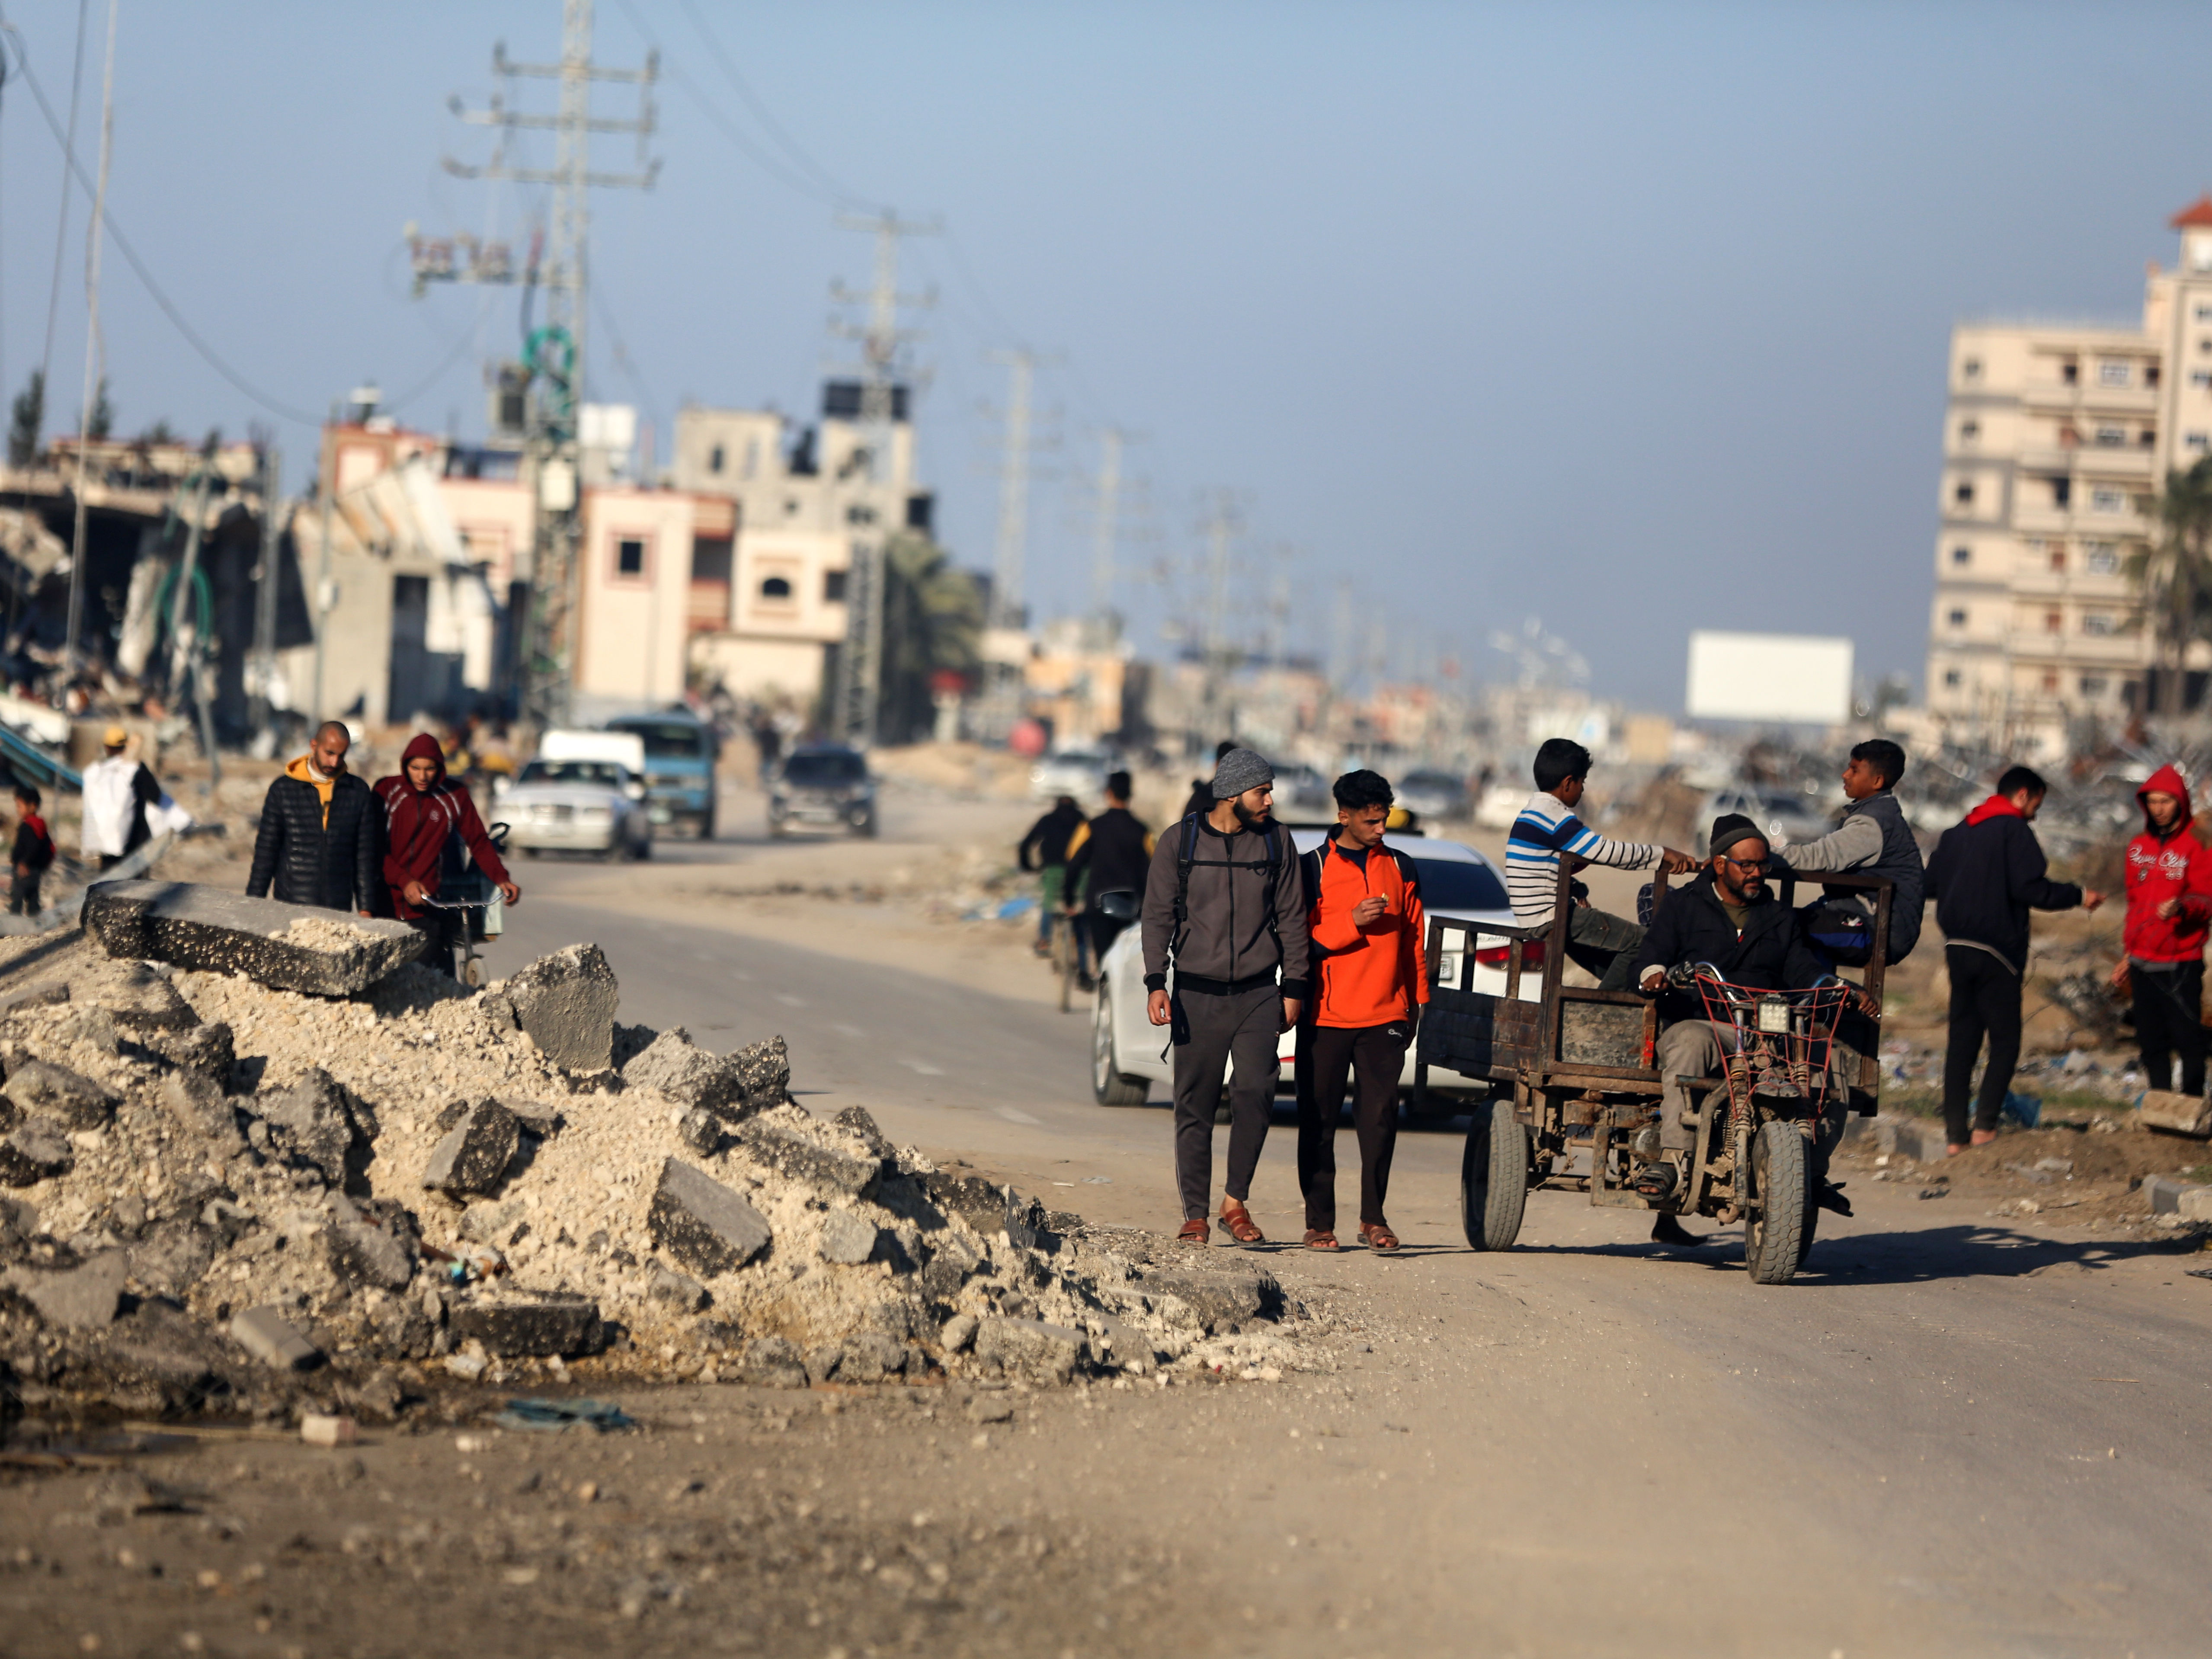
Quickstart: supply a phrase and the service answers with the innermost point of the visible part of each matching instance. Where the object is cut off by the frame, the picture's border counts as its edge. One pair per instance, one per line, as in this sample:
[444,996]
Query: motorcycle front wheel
[1779,1229]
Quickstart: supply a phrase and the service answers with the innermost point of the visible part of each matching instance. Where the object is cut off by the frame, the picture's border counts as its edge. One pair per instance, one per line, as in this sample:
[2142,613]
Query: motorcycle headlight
[1774,1016]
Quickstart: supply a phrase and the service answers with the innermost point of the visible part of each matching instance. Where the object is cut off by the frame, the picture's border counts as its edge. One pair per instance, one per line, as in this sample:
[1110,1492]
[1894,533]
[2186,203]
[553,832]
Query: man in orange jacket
[1364,913]
[2169,882]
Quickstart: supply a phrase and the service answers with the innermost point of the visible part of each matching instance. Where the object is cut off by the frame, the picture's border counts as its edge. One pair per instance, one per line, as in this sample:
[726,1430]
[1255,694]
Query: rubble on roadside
[229,1196]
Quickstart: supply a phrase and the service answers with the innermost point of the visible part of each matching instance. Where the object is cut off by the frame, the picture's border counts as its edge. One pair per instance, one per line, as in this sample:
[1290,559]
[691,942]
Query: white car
[1783,816]
[576,807]
[1458,884]
[1078,772]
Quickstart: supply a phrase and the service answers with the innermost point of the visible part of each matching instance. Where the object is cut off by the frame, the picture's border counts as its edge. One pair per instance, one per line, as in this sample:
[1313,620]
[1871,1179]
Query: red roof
[2198,213]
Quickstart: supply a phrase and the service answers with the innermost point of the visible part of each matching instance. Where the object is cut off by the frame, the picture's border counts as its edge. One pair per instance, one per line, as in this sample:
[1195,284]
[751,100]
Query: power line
[790,146]
[61,222]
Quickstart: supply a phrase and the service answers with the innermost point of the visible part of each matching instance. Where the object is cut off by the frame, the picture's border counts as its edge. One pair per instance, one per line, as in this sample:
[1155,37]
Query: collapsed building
[259,1162]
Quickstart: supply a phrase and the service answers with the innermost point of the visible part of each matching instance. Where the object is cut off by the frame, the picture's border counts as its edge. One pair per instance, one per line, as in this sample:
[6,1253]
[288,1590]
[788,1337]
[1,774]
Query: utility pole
[1012,549]
[1221,525]
[326,484]
[857,694]
[1105,528]
[92,354]
[265,597]
[553,353]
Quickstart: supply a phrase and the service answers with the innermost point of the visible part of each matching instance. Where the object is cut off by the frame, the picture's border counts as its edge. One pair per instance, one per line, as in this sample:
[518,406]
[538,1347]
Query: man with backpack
[1111,853]
[33,853]
[1224,910]
[1370,975]
[1986,875]
[1044,851]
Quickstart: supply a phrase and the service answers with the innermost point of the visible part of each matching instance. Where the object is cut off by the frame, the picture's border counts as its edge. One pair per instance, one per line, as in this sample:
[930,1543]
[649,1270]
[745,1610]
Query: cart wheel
[472,973]
[1493,1176]
[1779,1230]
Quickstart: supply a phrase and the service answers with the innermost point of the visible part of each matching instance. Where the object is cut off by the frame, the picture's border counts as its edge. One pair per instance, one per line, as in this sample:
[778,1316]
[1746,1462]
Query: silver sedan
[577,806]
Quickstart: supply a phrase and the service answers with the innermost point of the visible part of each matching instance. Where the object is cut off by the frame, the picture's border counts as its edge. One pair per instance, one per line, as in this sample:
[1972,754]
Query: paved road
[1951,1436]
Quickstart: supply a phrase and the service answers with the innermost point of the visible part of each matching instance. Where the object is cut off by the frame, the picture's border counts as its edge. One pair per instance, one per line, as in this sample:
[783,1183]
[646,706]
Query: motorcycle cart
[1574,1077]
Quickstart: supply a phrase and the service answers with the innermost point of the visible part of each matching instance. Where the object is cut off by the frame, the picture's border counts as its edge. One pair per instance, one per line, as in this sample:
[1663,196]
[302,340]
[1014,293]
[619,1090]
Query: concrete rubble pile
[218,1194]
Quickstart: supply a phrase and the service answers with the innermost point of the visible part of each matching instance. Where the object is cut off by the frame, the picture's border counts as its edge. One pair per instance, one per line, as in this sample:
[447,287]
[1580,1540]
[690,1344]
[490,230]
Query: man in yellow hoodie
[321,836]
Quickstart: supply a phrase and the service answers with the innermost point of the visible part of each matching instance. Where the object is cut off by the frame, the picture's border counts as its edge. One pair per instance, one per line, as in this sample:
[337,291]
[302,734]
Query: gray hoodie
[1225,936]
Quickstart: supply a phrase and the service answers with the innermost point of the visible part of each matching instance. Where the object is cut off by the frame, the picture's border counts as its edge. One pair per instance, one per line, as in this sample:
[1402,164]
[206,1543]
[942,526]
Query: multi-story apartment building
[2056,442]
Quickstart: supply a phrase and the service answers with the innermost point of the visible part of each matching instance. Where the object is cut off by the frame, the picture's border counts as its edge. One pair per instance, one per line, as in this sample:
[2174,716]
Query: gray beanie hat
[1239,770]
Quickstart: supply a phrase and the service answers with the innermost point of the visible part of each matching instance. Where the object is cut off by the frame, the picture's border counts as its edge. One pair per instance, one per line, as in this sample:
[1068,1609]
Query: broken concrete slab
[847,1238]
[870,1357]
[474,1155]
[975,1201]
[273,1340]
[312,1120]
[81,1299]
[142,1000]
[294,947]
[832,1173]
[210,1050]
[56,1091]
[674,1066]
[2175,1112]
[49,995]
[763,1071]
[958,1332]
[520,1326]
[702,1131]
[173,1256]
[1218,1300]
[773,1362]
[33,1152]
[374,1244]
[703,1224]
[1030,1347]
[565,1003]
[678,1291]
[199,1105]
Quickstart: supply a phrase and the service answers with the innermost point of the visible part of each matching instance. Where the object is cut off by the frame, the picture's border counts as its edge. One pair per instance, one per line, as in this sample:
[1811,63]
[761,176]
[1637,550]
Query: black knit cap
[1730,828]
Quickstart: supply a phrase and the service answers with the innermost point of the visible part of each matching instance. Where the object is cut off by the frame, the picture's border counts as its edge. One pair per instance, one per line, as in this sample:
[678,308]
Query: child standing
[33,853]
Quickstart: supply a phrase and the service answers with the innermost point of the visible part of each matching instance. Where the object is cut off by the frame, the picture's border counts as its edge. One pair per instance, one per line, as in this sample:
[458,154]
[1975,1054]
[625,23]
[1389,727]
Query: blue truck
[680,753]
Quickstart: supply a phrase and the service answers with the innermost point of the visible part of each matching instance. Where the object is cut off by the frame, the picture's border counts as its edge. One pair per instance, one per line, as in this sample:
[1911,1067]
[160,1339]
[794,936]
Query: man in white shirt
[118,790]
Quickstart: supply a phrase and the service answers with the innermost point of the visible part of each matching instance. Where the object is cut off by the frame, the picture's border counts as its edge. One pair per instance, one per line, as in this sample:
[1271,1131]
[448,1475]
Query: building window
[2116,371]
[2205,313]
[833,587]
[2103,558]
[1970,370]
[1970,431]
[2061,492]
[1957,619]
[2093,685]
[2096,621]
[715,458]
[752,456]
[2200,376]
[2147,437]
[2150,373]
[2108,501]
[2057,557]
[860,512]
[775,587]
[1962,556]
[2111,436]
[2070,372]
[1963,494]
[1951,678]
[630,556]
[2197,441]
[2054,621]
[2051,683]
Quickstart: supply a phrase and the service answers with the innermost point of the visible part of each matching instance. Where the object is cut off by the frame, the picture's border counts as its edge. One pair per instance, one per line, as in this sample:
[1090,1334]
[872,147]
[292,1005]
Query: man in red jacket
[1364,913]
[423,810]
[2169,879]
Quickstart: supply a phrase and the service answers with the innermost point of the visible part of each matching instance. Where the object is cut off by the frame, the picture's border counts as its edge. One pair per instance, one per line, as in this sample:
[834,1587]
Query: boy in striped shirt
[1603,944]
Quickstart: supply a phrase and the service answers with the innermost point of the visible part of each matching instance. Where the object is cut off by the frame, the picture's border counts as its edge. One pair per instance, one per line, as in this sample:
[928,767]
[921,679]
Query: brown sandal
[1195,1231]
[1377,1236]
[1320,1238]
[1236,1221]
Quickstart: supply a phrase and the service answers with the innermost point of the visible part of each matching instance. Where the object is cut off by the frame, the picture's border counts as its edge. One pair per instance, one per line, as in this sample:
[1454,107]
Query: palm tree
[932,624]
[2174,575]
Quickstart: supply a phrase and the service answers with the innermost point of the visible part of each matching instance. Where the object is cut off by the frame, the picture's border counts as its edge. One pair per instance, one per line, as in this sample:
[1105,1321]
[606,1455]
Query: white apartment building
[2054,441]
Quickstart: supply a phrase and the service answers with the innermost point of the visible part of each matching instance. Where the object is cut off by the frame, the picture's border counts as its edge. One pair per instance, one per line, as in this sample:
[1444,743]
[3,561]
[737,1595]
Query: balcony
[2092,460]
[2077,520]
[2026,646]
[2091,400]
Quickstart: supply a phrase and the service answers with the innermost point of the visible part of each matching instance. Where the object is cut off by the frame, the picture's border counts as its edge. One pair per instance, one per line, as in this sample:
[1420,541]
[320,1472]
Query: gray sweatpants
[1209,1029]
[1695,1047]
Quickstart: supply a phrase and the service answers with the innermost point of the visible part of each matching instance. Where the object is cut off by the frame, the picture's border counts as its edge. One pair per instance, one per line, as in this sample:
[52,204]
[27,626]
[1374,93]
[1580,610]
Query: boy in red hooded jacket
[424,808]
[2169,878]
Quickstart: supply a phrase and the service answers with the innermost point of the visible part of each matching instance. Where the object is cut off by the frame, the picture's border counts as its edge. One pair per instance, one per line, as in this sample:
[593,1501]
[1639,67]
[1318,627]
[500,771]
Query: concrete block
[474,1155]
[2165,1194]
[33,1152]
[321,1429]
[862,1122]
[830,1174]
[1217,1299]
[2175,1112]
[80,1298]
[1030,1347]
[2194,1203]
[56,1091]
[208,1049]
[763,1070]
[295,947]
[847,1238]
[674,1066]
[958,1332]
[516,1326]
[566,1004]
[703,1224]
[274,1341]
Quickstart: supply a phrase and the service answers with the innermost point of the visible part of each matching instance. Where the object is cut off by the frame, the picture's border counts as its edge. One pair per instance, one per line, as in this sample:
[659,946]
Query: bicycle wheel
[1063,960]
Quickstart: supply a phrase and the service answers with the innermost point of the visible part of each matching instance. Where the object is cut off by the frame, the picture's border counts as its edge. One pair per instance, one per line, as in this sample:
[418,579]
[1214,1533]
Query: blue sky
[1628,317]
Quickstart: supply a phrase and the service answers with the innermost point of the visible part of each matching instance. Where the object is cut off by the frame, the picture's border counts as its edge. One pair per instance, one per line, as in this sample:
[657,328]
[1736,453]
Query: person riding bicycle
[1111,853]
[1727,917]
[424,810]
[1044,850]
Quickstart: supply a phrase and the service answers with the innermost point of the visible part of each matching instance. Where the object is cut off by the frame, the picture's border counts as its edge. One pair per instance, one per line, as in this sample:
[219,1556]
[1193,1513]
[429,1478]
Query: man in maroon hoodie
[423,810]
[2169,880]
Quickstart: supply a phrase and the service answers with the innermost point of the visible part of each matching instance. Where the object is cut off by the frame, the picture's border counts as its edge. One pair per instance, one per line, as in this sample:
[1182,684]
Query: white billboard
[1799,680]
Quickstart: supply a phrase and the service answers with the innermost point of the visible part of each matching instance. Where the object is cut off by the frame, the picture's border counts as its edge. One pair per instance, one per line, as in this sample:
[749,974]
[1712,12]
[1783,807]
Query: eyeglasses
[1756,866]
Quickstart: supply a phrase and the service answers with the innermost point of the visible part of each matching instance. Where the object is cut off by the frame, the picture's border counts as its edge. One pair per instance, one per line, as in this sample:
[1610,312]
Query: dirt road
[1954,1435]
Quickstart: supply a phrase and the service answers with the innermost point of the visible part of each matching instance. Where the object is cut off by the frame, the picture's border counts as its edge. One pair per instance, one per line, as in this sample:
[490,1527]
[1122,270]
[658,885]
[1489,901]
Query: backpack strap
[1186,852]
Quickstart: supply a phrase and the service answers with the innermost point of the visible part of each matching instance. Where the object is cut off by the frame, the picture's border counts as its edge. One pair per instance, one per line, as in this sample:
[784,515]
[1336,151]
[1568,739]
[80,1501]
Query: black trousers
[23,895]
[1372,1058]
[1208,1032]
[2170,1020]
[442,928]
[1985,1002]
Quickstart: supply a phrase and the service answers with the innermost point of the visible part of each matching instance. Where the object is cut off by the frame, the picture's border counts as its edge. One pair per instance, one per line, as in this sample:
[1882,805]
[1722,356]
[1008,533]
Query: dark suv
[821,784]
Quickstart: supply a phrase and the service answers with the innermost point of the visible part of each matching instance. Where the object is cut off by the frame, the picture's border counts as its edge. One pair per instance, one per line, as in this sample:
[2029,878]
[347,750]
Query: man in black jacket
[1729,918]
[321,838]
[1986,874]
[1044,850]
[1110,855]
